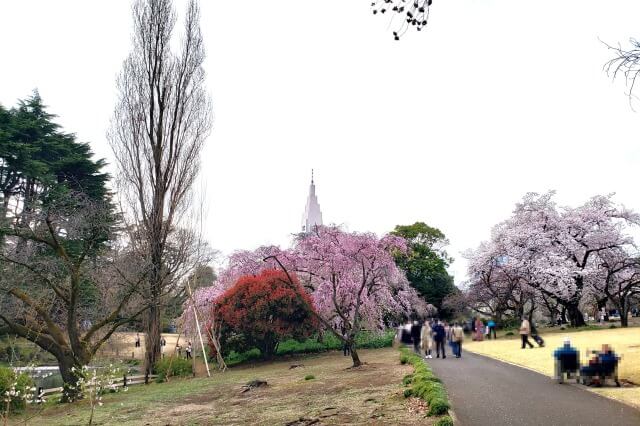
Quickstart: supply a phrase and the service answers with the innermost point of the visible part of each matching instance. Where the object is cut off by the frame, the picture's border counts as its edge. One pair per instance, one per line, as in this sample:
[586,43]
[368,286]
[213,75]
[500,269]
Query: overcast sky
[450,126]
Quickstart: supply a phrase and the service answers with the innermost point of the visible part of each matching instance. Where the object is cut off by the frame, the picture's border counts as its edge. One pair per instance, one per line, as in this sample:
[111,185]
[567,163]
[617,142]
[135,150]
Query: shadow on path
[484,391]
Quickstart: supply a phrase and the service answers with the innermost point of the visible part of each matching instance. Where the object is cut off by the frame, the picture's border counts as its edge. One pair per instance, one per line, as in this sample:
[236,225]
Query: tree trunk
[623,308]
[519,310]
[71,371]
[268,348]
[354,355]
[152,341]
[576,318]
[624,321]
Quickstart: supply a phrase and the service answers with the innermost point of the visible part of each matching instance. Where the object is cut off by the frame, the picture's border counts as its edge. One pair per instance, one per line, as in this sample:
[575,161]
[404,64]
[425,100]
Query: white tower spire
[312,214]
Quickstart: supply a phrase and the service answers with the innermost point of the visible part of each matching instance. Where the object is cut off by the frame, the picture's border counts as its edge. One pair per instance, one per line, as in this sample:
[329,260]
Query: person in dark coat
[567,361]
[439,335]
[416,330]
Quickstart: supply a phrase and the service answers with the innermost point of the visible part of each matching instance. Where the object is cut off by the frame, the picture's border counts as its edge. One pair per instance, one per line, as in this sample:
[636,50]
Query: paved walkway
[484,391]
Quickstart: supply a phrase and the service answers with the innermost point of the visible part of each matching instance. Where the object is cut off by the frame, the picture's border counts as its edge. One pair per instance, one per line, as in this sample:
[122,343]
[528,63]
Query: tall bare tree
[161,120]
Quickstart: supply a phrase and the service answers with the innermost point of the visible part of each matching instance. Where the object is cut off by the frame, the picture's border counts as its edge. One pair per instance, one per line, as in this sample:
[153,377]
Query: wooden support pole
[195,314]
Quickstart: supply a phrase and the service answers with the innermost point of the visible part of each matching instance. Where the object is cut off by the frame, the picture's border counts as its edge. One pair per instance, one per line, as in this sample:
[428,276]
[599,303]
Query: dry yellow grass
[625,342]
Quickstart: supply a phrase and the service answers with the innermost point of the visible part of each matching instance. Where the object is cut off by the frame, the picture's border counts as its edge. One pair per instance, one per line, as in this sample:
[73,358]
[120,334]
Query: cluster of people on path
[436,334]
[602,365]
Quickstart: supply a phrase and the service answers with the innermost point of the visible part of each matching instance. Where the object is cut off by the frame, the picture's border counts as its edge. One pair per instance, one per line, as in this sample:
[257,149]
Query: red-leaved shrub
[261,310]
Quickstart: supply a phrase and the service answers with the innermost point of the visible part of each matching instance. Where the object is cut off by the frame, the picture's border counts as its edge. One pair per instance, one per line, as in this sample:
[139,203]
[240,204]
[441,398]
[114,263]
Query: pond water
[45,377]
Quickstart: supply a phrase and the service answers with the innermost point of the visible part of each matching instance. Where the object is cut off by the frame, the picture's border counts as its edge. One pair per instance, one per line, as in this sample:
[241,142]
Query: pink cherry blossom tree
[557,251]
[353,279]
[620,281]
[499,285]
[563,245]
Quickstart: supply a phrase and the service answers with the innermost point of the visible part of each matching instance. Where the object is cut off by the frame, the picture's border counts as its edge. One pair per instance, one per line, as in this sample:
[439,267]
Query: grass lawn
[625,342]
[371,394]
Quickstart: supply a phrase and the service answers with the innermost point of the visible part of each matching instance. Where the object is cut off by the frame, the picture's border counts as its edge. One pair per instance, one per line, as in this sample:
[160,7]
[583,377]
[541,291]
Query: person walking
[426,340]
[137,340]
[188,350]
[534,335]
[439,335]
[491,328]
[457,336]
[416,328]
[346,350]
[479,330]
[163,344]
[525,330]
[447,333]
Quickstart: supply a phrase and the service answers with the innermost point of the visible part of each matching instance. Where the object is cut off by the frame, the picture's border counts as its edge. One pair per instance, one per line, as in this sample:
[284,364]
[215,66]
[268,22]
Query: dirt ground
[371,394]
[338,395]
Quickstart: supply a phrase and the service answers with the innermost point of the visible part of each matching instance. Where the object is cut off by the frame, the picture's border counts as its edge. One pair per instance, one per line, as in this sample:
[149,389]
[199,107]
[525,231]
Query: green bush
[364,340]
[425,385]
[444,421]
[510,322]
[235,358]
[173,366]
[23,384]
[369,340]
[309,377]
[509,333]
[406,380]
[438,407]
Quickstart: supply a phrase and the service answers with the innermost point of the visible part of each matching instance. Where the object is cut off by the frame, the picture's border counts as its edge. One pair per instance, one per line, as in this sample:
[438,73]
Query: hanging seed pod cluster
[404,14]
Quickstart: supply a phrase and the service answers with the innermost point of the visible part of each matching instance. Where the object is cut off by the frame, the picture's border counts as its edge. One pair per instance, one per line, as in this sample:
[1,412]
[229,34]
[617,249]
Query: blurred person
[457,336]
[163,344]
[535,336]
[439,336]
[188,350]
[416,329]
[479,334]
[406,333]
[567,360]
[525,330]
[491,328]
[604,364]
[346,350]
[426,340]
[448,327]
[137,340]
